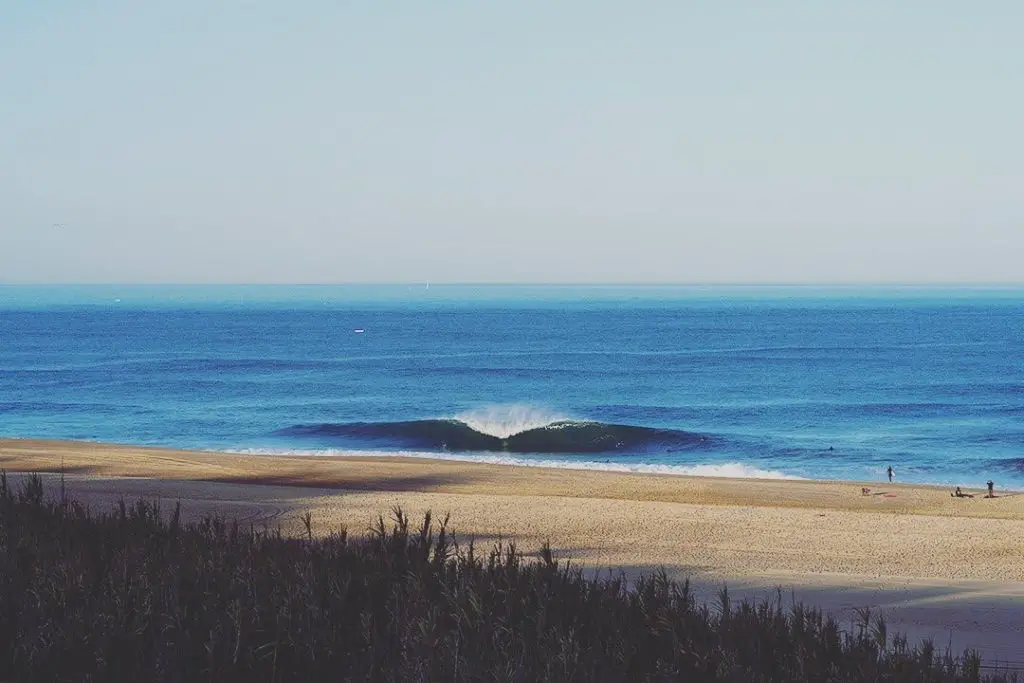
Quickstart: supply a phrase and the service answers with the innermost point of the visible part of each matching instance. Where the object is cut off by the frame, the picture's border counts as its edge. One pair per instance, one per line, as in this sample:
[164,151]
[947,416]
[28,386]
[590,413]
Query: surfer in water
[890,473]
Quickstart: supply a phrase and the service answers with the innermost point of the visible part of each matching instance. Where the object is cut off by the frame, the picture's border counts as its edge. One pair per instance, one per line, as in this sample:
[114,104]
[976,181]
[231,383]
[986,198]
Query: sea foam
[729,470]
[504,421]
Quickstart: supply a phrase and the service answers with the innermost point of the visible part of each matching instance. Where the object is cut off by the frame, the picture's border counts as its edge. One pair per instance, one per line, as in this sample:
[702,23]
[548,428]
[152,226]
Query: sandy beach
[936,566]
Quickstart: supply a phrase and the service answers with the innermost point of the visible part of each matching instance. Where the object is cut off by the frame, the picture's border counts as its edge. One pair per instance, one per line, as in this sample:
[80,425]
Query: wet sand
[935,566]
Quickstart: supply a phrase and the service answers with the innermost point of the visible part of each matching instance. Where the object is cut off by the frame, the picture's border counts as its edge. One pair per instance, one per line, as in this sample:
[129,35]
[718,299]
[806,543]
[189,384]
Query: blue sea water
[824,383]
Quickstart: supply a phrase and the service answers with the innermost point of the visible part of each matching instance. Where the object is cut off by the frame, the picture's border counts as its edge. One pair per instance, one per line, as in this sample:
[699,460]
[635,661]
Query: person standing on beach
[889,472]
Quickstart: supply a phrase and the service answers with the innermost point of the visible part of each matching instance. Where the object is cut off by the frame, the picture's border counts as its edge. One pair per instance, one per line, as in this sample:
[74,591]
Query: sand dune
[938,566]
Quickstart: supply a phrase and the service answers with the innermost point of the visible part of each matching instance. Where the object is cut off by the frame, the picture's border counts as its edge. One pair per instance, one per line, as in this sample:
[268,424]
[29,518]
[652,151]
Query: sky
[578,141]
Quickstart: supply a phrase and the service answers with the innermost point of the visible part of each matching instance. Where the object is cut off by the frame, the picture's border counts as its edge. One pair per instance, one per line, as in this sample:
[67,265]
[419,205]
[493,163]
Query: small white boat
[359,330]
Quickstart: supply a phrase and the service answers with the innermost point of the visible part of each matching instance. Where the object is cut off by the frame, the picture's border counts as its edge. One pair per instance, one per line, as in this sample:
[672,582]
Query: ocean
[821,383]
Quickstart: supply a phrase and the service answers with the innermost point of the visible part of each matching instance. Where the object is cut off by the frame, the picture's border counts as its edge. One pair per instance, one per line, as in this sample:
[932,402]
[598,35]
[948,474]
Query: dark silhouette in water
[890,473]
[457,436]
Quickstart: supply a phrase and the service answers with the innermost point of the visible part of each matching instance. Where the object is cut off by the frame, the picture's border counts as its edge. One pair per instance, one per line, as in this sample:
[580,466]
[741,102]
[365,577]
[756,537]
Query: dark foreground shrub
[131,596]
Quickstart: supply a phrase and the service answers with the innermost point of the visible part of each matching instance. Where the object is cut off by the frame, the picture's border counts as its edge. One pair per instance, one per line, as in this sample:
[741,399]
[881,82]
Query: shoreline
[725,470]
[732,470]
[936,566]
[327,469]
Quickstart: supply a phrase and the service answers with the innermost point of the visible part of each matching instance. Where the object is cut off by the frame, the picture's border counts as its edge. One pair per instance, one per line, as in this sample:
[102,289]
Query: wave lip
[504,421]
[563,436]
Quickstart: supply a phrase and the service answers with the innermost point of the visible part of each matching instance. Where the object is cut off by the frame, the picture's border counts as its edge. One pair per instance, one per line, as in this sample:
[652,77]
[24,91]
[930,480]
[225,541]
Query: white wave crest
[728,470]
[504,421]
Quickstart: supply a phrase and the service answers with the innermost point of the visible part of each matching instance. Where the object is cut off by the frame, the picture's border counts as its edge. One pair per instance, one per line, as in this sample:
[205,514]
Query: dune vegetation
[137,594]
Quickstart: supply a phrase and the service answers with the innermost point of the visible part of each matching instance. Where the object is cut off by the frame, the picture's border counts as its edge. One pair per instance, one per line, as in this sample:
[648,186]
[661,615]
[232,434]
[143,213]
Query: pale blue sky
[526,141]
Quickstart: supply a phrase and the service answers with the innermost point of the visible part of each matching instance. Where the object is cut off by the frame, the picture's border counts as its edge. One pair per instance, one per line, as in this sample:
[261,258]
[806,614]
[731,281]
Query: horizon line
[470,283]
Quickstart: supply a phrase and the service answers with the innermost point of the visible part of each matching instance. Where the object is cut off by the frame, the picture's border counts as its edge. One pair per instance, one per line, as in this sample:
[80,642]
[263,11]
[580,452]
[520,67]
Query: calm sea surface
[819,383]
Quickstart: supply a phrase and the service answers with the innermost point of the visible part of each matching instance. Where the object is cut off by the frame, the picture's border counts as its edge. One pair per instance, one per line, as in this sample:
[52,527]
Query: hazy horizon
[582,143]
[981,284]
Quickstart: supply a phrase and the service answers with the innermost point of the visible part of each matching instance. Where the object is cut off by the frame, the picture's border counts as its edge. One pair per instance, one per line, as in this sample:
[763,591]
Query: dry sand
[936,566]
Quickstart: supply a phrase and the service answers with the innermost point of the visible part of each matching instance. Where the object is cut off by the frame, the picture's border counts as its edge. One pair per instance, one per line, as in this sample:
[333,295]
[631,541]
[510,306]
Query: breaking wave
[470,433]
[1015,465]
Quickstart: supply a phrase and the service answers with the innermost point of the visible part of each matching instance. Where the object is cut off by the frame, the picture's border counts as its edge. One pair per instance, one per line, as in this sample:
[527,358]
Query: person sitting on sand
[960,494]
